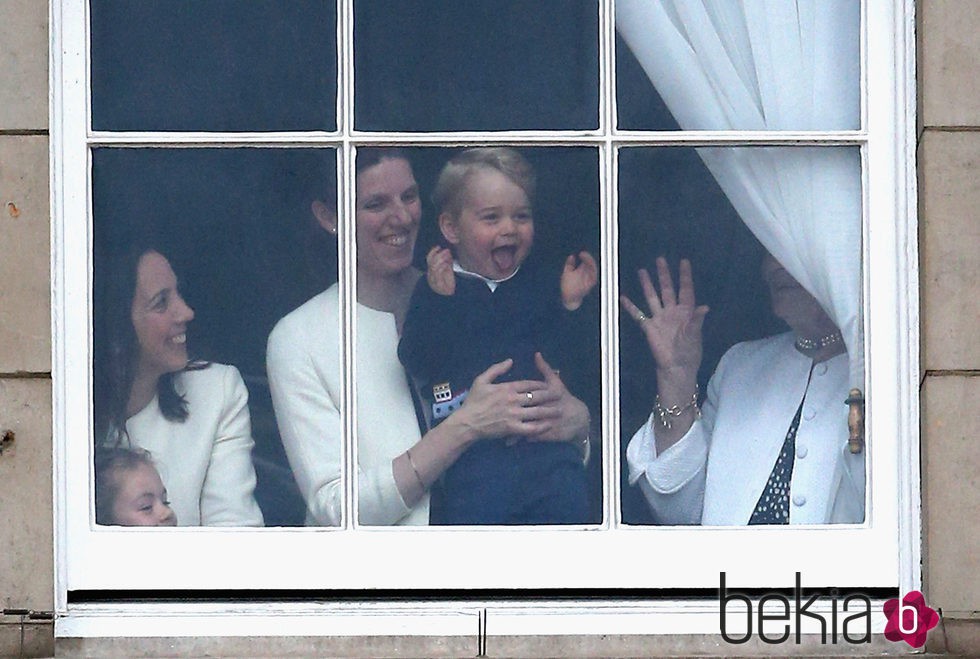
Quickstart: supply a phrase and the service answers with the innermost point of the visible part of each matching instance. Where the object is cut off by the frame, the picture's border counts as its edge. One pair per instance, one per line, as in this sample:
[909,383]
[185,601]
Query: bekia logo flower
[910,619]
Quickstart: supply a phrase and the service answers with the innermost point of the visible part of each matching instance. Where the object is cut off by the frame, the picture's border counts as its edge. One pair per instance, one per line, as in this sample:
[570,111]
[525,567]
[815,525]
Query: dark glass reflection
[213,65]
[237,228]
[439,65]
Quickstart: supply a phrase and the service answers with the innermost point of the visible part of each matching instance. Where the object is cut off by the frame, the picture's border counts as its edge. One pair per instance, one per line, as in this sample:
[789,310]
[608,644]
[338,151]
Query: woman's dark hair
[109,461]
[117,351]
[315,181]
[368,157]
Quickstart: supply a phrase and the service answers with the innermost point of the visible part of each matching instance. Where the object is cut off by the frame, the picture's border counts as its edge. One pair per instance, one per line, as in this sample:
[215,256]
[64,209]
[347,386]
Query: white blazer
[715,474]
[305,368]
[205,461]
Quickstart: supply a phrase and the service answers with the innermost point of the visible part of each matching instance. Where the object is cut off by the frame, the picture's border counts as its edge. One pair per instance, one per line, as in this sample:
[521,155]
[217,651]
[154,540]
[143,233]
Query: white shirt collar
[491,283]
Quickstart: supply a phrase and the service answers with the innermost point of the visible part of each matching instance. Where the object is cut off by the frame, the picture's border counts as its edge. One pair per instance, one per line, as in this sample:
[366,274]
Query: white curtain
[771,65]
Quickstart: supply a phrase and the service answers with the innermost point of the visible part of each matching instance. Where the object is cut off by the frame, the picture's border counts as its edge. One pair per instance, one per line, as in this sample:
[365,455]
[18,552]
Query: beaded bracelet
[665,414]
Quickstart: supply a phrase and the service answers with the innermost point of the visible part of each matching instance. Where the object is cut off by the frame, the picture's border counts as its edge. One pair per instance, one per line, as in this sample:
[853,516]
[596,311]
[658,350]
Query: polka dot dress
[773,505]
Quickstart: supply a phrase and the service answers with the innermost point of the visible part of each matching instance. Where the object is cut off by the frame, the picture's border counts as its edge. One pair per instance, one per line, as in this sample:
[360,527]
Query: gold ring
[642,317]
[530,396]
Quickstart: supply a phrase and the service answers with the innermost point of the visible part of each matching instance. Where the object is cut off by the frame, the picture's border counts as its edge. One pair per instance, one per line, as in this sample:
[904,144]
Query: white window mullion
[347,258]
[518,138]
[305,139]
[609,333]
[607,67]
[347,264]
[696,138]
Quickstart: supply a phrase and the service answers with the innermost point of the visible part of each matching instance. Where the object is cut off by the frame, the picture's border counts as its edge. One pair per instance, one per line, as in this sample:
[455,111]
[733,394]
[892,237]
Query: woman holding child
[190,416]
[397,462]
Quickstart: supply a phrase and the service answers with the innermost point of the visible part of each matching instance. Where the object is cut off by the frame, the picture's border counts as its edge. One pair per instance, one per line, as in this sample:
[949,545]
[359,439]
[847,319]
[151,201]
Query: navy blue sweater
[454,338]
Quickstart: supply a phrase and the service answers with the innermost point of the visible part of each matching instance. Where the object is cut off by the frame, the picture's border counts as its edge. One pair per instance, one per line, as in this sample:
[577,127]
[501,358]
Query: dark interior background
[235,222]
[425,65]
[214,65]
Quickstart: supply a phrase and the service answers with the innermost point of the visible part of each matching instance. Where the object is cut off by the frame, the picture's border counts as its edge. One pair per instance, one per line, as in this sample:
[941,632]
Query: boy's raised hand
[440,273]
[578,278]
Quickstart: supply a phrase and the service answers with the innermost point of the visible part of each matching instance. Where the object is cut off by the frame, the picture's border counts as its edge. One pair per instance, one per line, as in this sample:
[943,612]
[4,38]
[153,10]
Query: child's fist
[578,278]
[440,273]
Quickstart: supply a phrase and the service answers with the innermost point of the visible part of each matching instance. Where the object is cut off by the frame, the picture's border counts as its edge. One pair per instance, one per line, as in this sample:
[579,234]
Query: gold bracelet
[415,470]
[666,414]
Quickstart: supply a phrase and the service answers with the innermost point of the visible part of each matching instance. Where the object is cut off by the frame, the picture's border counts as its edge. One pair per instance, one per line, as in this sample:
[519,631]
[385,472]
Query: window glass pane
[738,65]
[804,204]
[436,65]
[213,65]
[500,226]
[234,228]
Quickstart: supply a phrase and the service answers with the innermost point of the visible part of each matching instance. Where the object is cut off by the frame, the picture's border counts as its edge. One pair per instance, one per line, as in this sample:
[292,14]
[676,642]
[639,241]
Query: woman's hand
[673,328]
[578,278]
[569,416]
[673,331]
[501,409]
[538,410]
[440,273]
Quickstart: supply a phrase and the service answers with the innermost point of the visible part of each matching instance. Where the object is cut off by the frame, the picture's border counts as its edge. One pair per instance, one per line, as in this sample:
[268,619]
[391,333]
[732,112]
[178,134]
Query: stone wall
[26,534]
[949,252]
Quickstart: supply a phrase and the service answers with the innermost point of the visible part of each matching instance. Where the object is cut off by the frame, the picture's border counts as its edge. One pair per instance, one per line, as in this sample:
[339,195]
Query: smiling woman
[388,213]
[160,317]
[190,416]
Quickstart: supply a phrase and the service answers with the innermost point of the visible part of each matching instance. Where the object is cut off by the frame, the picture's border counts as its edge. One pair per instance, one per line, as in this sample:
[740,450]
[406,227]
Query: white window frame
[884,551]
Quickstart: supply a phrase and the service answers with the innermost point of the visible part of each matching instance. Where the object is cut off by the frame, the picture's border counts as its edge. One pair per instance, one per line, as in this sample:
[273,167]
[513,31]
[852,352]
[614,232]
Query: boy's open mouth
[504,258]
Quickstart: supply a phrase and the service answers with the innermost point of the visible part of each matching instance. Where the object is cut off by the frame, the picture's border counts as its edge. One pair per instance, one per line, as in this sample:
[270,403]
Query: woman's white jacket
[305,368]
[715,474]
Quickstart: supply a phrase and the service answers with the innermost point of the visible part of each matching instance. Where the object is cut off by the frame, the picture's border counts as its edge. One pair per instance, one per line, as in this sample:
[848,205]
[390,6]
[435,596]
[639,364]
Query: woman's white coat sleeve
[227,495]
[673,483]
[306,396]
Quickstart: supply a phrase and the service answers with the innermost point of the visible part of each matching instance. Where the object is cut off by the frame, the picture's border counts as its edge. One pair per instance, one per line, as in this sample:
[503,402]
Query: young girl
[129,491]
[481,304]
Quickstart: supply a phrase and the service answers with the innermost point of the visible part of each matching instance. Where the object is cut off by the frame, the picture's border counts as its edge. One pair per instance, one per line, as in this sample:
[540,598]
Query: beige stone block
[680,645]
[962,637]
[317,646]
[26,538]
[23,64]
[38,639]
[949,249]
[950,492]
[949,55]
[10,639]
[25,226]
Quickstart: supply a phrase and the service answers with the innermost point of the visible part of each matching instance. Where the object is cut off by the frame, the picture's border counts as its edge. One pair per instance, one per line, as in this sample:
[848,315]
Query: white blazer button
[821,369]
[809,414]
[799,500]
[801,451]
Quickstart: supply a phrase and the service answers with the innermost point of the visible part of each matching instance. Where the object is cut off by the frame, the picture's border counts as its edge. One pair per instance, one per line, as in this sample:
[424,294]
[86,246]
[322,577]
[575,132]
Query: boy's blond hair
[450,191]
